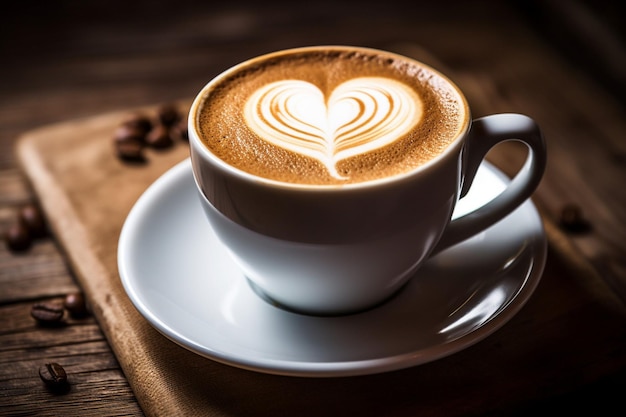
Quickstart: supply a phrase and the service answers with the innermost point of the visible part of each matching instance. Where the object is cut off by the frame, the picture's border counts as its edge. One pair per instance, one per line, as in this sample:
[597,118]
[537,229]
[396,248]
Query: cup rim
[226,168]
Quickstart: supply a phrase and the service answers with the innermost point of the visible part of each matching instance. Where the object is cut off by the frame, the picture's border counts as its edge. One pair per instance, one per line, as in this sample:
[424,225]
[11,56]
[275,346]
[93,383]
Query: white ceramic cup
[337,250]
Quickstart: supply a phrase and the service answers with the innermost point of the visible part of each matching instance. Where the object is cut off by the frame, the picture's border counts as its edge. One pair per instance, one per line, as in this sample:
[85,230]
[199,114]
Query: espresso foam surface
[393,115]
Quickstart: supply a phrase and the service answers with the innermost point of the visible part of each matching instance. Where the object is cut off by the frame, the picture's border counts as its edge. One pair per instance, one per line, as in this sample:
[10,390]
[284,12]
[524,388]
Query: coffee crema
[330,115]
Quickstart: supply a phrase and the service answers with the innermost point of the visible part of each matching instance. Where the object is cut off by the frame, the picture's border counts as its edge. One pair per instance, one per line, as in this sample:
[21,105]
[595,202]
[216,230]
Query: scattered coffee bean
[139,122]
[139,129]
[17,237]
[127,133]
[54,376]
[159,137]
[573,220]
[32,218]
[47,313]
[179,131]
[168,115]
[130,150]
[75,304]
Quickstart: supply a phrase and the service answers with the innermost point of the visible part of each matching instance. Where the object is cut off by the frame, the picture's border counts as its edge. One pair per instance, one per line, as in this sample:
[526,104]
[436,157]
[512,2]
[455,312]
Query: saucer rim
[315,368]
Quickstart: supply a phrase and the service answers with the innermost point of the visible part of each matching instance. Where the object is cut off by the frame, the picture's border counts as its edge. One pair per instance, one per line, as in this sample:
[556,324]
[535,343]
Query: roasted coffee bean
[572,219]
[126,133]
[32,218]
[179,131]
[17,237]
[168,115]
[54,376]
[47,313]
[75,304]
[159,137]
[130,150]
[140,122]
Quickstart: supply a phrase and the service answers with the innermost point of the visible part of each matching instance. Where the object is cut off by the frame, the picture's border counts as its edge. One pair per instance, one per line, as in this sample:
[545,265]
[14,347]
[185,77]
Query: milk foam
[360,115]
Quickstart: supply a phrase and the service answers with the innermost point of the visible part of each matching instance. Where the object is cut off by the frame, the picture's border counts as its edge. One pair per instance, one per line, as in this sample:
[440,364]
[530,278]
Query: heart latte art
[360,115]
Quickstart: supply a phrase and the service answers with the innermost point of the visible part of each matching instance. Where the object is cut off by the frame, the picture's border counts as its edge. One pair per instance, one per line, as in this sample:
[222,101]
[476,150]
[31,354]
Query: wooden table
[561,62]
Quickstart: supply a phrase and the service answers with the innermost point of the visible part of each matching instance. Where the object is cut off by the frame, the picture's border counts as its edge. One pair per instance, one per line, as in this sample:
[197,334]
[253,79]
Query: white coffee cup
[336,250]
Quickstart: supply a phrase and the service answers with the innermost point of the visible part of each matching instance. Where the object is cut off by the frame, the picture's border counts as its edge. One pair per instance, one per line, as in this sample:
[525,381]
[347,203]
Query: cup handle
[485,133]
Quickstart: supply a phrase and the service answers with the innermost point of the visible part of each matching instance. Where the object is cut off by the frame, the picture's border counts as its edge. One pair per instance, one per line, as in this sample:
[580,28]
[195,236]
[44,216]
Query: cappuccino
[330,115]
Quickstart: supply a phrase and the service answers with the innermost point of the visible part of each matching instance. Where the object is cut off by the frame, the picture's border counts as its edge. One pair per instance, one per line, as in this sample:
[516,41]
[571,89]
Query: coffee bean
[47,313]
[572,219]
[130,150]
[126,133]
[54,376]
[159,137]
[75,304]
[17,237]
[32,218]
[179,131]
[139,122]
[168,115]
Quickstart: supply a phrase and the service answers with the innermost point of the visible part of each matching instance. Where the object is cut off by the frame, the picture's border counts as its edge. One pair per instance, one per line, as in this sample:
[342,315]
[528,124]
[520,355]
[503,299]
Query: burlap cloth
[87,193]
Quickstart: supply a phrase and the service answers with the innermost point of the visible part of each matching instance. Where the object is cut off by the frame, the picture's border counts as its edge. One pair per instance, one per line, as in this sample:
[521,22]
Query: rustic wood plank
[33,396]
[42,272]
[13,188]
[79,346]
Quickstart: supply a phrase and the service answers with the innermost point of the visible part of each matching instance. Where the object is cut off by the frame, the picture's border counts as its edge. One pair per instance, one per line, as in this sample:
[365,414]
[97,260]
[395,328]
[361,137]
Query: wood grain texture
[67,61]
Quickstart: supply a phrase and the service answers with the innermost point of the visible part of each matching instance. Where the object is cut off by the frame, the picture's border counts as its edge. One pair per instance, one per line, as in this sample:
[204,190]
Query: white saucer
[183,282]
